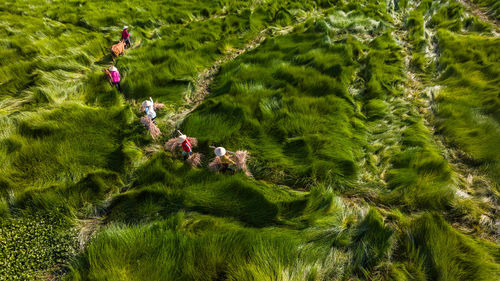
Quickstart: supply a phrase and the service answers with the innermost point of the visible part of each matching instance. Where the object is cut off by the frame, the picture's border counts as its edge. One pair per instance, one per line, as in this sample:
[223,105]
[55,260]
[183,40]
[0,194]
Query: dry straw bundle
[241,161]
[153,130]
[215,165]
[156,106]
[194,159]
[172,143]
[240,157]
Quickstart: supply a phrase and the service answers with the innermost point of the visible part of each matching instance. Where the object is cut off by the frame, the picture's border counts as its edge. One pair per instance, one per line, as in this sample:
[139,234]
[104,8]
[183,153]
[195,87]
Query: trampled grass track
[421,90]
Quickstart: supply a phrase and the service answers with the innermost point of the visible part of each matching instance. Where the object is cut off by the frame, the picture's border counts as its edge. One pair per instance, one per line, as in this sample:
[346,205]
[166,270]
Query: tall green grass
[492,7]
[63,145]
[320,110]
[188,247]
[468,108]
[288,104]
[433,250]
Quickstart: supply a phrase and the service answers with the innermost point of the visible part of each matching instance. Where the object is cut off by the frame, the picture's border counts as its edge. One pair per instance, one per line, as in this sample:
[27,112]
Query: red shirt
[186,146]
[125,34]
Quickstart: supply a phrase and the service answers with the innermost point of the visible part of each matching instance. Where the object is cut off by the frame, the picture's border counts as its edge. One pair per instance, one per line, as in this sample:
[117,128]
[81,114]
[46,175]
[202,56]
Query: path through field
[420,90]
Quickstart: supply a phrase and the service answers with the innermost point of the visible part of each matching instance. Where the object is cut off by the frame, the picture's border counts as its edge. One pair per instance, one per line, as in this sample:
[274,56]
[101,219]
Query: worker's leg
[117,85]
[224,168]
[127,42]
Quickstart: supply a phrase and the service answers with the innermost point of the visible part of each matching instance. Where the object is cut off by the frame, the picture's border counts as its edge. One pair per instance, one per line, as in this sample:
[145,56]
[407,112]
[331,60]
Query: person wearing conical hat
[187,147]
[221,153]
[126,36]
[148,106]
[115,77]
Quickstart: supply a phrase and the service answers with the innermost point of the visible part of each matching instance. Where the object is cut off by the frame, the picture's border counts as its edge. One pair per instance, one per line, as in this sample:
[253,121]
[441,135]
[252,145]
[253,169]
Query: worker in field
[114,77]
[187,147]
[126,36]
[225,161]
[148,106]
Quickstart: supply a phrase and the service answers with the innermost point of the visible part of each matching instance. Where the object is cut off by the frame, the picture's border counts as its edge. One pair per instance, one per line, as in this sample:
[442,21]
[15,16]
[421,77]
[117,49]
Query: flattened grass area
[468,109]
[287,103]
[348,182]
[491,7]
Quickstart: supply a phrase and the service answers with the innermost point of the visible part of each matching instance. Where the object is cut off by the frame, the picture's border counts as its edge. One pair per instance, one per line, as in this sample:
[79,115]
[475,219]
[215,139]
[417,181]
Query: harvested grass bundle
[240,158]
[118,49]
[158,105]
[194,159]
[215,165]
[172,143]
[153,130]
[241,161]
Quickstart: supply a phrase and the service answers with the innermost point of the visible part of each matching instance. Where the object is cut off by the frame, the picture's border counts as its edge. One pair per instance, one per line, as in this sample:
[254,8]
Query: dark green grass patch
[165,186]
[63,145]
[415,174]
[80,199]
[199,248]
[167,67]
[436,251]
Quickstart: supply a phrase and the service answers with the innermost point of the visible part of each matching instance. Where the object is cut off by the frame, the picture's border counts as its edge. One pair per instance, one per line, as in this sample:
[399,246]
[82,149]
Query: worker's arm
[228,160]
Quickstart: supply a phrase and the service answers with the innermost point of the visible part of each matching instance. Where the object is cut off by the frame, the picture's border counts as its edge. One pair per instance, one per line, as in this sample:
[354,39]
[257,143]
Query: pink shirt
[125,34]
[115,76]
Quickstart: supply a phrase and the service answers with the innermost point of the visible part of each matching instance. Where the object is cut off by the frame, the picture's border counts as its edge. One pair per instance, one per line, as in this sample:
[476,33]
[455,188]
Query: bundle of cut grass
[215,165]
[194,159]
[172,144]
[240,159]
[158,105]
[153,129]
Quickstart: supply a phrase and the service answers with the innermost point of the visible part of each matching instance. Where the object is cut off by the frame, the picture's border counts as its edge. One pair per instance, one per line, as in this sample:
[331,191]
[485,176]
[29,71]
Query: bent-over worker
[126,36]
[224,159]
[115,77]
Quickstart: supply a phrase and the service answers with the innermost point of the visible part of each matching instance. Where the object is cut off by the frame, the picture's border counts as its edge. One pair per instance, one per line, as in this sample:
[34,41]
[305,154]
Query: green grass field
[373,129]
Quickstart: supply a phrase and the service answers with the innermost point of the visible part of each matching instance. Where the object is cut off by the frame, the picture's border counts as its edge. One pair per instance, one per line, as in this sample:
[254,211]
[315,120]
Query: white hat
[220,151]
[181,138]
[125,27]
[147,103]
[112,68]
